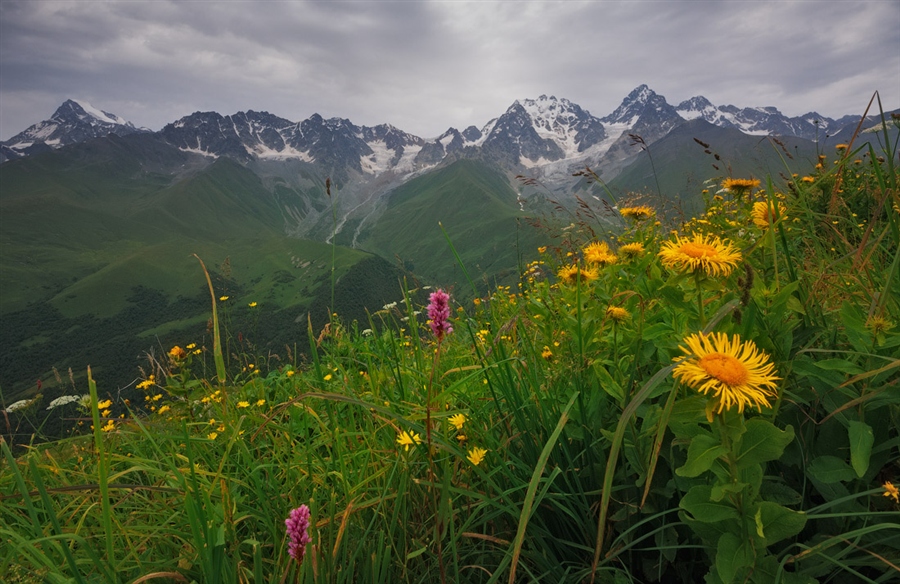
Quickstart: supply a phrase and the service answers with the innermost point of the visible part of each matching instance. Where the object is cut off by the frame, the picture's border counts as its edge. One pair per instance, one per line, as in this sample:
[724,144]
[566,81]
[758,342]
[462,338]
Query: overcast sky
[424,66]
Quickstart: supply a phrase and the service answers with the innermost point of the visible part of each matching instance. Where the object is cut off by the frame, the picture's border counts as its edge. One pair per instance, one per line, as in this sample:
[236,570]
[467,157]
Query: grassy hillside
[681,165]
[479,211]
[97,263]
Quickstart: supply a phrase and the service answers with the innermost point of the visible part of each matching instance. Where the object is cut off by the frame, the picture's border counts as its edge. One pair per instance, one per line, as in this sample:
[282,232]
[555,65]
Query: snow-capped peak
[99,114]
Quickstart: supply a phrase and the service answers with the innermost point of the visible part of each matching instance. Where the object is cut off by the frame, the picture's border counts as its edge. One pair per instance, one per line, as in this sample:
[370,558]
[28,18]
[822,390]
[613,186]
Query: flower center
[698,250]
[725,368]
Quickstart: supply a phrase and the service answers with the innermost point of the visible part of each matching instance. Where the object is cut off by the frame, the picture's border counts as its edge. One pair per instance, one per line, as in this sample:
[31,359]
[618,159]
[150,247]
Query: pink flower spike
[298,530]
[439,314]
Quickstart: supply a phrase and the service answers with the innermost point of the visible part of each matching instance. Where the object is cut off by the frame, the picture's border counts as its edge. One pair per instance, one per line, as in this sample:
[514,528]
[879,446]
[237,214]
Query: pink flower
[298,530]
[439,314]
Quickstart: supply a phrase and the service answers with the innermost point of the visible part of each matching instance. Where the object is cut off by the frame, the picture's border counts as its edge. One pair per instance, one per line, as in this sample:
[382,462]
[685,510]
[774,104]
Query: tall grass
[599,465]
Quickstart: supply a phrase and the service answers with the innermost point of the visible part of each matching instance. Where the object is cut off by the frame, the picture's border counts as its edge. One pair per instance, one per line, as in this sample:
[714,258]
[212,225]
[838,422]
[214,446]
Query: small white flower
[389,306]
[367,332]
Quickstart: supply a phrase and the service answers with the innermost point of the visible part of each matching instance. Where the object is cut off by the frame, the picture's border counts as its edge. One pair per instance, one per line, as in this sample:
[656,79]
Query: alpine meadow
[658,346]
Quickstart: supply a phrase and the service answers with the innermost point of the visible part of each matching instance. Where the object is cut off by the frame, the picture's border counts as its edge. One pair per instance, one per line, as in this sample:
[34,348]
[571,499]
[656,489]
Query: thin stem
[698,278]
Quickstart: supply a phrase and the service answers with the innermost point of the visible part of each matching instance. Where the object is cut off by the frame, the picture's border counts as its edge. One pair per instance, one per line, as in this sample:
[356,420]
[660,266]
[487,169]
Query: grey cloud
[424,66]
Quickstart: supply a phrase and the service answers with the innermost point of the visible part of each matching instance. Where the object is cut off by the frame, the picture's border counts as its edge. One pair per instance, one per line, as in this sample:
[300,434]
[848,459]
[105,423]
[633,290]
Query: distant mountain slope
[477,208]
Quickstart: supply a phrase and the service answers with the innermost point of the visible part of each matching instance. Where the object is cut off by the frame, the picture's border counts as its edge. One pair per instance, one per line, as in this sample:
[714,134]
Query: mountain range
[99,218]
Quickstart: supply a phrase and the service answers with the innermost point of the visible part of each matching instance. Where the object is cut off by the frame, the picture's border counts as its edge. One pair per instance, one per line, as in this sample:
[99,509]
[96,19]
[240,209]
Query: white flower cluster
[67,399]
[19,405]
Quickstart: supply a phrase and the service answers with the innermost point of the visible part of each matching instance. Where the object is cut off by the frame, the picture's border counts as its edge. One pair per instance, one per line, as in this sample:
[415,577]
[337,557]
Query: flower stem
[698,279]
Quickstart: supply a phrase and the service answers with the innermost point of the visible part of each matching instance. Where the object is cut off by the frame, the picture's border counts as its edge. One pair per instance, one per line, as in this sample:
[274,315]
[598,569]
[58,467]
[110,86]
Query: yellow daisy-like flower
[223,298]
[840,147]
[243,404]
[476,455]
[252,305]
[706,253]
[572,273]
[260,403]
[408,439]
[547,353]
[598,253]
[289,373]
[631,250]
[163,409]
[808,179]
[638,213]
[763,213]
[212,435]
[177,353]
[617,313]
[735,373]
[109,427]
[457,421]
[739,186]
[327,377]
[891,491]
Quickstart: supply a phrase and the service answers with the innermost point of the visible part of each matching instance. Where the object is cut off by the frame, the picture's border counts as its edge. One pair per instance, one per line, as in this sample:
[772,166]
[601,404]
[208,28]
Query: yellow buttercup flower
[476,455]
[705,253]
[252,305]
[546,353]
[638,213]
[408,439]
[177,353]
[243,404]
[617,313]
[457,421]
[734,373]
[212,435]
[598,253]
[223,298]
[260,403]
[163,409]
[763,213]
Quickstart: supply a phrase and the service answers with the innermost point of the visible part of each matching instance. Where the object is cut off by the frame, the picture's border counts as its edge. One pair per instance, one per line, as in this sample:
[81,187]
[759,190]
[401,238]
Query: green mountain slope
[97,266]
[476,206]
[681,165]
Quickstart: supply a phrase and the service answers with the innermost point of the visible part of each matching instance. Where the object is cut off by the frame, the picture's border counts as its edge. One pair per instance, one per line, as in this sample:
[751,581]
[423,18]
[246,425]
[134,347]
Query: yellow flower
[542,249]
[808,179]
[735,372]
[457,421]
[109,427]
[631,250]
[289,373]
[105,404]
[546,353]
[891,491]
[617,313]
[571,274]
[763,213]
[840,147]
[476,455]
[638,213]
[223,298]
[163,409]
[177,353]
[191,346]
[260,403]
[252,305]
[408,439]
[705,253]
[739,186]
[328,377]
[598,253]
[212,435]
[243,404]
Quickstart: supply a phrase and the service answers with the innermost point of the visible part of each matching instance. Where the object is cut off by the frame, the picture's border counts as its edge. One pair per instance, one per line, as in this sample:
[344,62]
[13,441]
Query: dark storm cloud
[424,66]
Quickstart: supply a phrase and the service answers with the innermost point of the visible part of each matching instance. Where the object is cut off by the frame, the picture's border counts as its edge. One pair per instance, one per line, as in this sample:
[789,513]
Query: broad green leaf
[698,503]
[830,469]
[702,453]
[732,554]
[609,385]
[775,523]
[841,365]
[861,440]
[762,442]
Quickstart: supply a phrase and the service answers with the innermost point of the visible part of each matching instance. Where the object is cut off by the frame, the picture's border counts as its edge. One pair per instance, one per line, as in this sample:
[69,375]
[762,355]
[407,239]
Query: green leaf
[732,554]
[830,469]
[698,502]
[702,453]
[609,385]
[839,365]
[861,440]
[775,523]
[762,442]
